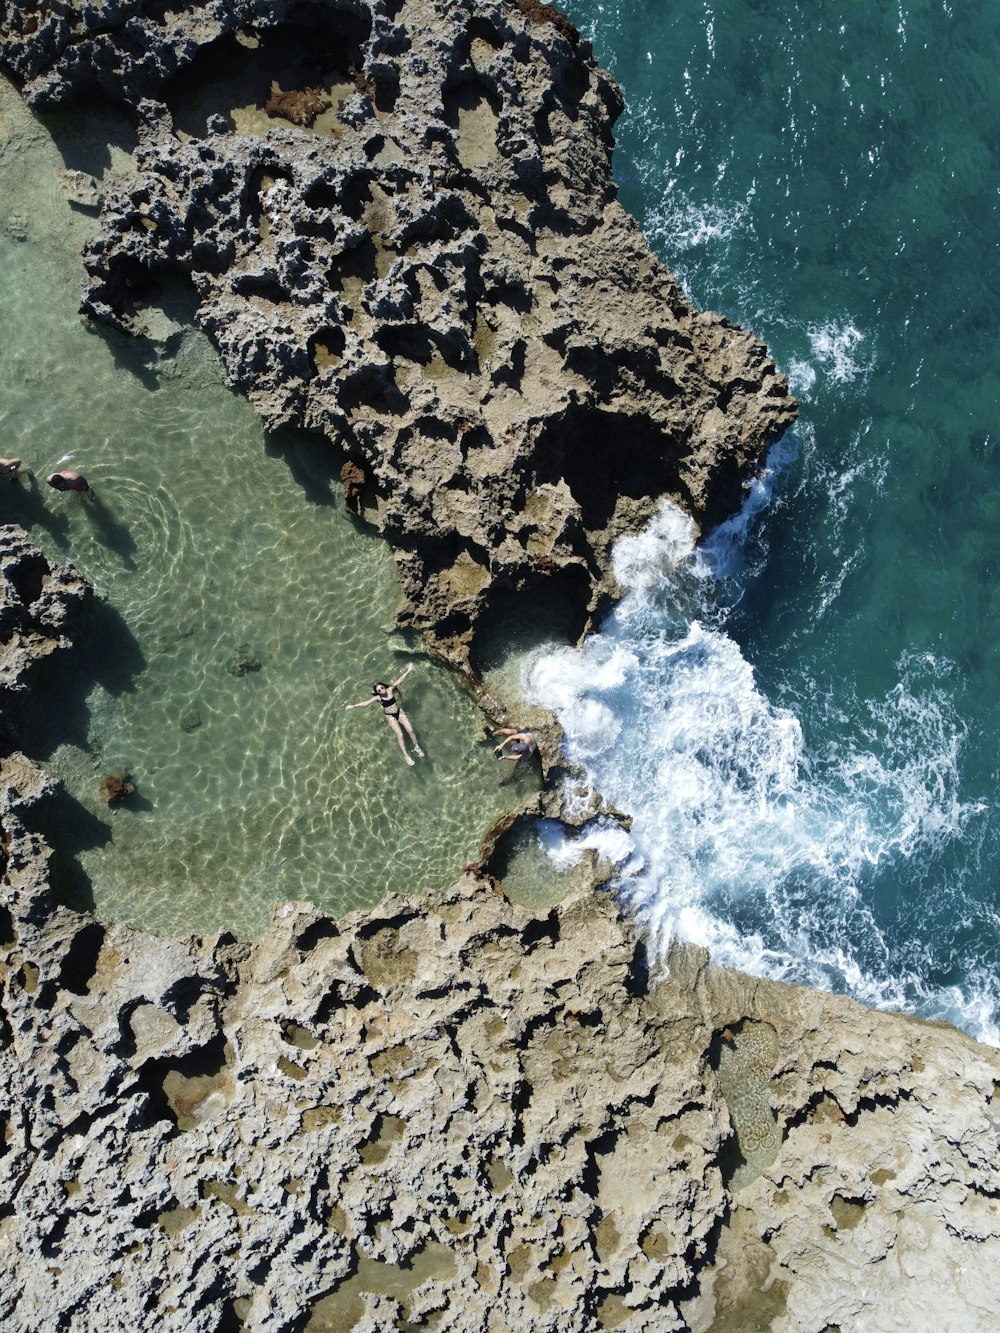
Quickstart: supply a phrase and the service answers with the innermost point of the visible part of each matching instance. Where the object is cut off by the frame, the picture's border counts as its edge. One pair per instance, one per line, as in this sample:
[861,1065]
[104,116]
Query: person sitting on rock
[521,741]
[10,469]
[68,480]
[386,696]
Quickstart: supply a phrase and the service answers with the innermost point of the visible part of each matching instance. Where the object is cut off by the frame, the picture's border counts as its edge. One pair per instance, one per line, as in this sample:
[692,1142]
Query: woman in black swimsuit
[386,696]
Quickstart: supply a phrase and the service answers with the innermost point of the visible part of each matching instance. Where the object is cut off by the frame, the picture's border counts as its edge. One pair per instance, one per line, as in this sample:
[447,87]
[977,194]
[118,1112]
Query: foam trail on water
[836,346]
[743,839]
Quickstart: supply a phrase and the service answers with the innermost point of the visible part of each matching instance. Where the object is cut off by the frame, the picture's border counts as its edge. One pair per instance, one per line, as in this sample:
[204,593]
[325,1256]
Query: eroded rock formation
[430,270]
[457,1115]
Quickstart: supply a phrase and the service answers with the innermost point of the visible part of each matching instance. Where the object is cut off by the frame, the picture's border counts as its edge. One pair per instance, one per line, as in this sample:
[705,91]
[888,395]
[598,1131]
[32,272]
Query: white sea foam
[645,559]
[801,378]
[605,837]
[743,839]
[837,347]
[681,224]
[723,554]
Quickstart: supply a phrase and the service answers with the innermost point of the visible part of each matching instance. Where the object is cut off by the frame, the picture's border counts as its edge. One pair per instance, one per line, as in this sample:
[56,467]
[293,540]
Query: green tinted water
[207,540]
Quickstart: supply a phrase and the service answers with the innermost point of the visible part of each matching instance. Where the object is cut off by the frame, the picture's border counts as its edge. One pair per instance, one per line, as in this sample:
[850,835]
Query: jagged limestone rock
[454,1113]
[433,274]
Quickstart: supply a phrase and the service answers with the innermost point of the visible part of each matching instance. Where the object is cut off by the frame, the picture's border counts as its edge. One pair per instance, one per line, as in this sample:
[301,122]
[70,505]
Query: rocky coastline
[453,1113]
[432,274]
[399,225]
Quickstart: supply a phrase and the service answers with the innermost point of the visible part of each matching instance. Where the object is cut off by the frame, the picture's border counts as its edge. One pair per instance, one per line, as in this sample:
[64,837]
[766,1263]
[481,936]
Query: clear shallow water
[803,717]
[207,539]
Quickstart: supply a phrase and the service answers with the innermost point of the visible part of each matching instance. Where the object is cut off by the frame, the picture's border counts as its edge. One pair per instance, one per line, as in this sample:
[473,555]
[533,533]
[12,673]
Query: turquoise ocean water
[803,716]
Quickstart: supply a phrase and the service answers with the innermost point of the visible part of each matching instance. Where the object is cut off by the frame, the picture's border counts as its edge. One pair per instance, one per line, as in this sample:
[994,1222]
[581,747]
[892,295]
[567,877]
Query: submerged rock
[190,718]
[242,661]
[116,787]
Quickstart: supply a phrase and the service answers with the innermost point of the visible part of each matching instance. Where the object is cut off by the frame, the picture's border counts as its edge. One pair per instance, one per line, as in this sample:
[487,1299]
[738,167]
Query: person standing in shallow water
[68,480]
[386,696]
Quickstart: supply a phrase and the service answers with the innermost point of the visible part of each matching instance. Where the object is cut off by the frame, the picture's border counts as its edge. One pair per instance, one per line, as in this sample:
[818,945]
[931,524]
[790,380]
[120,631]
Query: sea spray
[744,838]
[783,163]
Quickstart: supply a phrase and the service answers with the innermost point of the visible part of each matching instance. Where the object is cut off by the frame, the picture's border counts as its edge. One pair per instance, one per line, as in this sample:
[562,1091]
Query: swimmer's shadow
[112,532]
[26,507]
[525,772]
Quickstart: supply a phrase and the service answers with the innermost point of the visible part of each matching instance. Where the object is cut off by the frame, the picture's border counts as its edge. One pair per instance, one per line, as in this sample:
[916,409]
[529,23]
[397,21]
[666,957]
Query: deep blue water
[816,798]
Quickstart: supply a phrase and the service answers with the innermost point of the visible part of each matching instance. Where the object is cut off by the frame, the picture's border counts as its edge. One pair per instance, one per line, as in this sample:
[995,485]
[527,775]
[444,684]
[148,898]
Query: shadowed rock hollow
[401,225]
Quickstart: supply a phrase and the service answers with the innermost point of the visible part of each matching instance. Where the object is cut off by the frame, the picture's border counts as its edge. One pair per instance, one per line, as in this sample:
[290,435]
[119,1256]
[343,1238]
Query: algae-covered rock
[116,787]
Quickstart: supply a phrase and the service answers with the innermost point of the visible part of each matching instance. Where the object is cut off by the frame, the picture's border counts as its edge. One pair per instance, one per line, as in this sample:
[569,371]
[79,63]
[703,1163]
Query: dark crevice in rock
[637,978]
[27,577]
[176,1084]
[182,995]
[317,931]
[468,91]
[552,597]
[79,963]
[542,928]
[264,286]
[8,932]
[604,455]
[600,1146]
[520,1100]
[412,342]
[317,46]
[260,177]
[373,386]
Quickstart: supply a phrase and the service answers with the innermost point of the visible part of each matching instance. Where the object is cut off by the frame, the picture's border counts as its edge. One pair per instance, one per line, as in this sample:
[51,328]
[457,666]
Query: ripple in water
[239,609]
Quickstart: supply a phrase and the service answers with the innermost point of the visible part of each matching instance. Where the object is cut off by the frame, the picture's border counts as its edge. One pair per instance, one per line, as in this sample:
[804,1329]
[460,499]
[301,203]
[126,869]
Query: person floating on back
[68,480]
[386,696]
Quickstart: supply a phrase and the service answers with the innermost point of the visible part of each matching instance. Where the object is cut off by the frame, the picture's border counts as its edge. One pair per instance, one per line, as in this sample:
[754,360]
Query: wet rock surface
[401,226]
[458,1115]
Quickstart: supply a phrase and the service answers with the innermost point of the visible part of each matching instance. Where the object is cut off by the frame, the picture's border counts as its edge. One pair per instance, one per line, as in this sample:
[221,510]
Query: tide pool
[238,610]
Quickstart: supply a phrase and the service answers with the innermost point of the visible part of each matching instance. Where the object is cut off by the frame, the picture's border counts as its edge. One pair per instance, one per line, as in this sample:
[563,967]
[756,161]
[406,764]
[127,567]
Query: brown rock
[300,105]
[353,480]
[116,786]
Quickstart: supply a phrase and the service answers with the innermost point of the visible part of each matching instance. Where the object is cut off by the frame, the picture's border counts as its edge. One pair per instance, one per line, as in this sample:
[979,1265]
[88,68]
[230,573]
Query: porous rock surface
[401,225]
[451,1114]
[457,1114]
